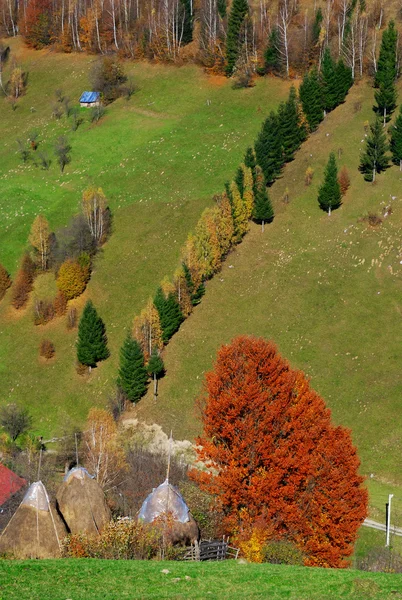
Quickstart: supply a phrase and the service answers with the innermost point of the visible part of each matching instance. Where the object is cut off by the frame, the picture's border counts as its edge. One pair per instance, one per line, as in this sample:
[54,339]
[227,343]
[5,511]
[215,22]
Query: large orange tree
[275,456]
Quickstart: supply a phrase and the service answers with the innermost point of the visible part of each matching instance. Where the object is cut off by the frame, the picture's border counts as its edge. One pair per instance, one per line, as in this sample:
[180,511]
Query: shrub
[47,349]
[71,279]
[23,282]
[381,559]
[84,260]
[5,281]
[15,420]
[308,176]
[282,553]
[204,508]
[43,312]
[344,180]
[60,304]
[122,539]
[72,318]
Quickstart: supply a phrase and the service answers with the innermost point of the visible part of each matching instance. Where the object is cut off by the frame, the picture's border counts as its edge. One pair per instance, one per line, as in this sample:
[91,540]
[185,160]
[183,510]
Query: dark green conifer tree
[186,21]
[239,180]
[311,99]
[222,9]
[92,340]
[387,67]
[195,294]
[344,80]
[170,314]
[272,56]
[133,376]
[237,14]
[262,211]
[268,149]
[329,81]
[316,29]
[156,369]
[292,133]
[374,159]
[396,140]
[329,194]
[386,97]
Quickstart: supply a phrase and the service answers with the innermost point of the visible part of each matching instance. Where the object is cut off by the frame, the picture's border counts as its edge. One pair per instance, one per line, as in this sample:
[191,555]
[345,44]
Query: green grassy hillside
[88,579]
[159,158]
[326,290]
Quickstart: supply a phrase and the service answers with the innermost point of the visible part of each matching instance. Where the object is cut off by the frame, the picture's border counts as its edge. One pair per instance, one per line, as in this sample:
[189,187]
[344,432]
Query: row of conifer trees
[223,225]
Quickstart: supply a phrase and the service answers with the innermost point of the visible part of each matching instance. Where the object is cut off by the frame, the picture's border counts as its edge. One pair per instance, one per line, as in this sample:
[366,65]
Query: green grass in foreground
[114,580]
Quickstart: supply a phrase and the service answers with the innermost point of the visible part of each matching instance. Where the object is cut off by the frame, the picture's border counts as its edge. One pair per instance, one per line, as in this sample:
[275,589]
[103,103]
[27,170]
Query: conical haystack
[81,502]
[167,501]
[35,530]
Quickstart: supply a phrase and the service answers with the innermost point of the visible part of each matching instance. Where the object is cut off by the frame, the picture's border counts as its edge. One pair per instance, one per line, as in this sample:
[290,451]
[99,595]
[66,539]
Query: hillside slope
[159,159]
[326,290]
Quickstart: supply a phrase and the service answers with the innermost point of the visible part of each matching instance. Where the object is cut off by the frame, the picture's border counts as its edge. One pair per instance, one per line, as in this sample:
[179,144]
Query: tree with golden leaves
[93,207]
[248,194]
[239,211]
[39,239]
[103,455]
[182,292]
[147,330]
[16,83]
[207,244]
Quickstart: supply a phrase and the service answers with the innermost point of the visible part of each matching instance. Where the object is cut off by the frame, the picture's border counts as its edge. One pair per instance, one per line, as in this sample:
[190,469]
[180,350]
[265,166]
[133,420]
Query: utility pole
[388,515]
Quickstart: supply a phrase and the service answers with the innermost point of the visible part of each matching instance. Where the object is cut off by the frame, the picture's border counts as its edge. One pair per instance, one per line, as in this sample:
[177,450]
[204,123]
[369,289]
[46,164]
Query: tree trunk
[329,210]
[373,174]
[155,387]
[262,226]
[400,164]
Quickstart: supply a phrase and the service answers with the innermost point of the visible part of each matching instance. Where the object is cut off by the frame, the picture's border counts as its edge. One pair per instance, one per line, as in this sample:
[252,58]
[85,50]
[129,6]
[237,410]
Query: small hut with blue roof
[89,99]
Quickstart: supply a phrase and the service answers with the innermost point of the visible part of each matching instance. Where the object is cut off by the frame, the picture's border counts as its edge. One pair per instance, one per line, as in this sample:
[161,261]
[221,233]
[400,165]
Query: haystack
[166,501]
[81,502]
[35,530]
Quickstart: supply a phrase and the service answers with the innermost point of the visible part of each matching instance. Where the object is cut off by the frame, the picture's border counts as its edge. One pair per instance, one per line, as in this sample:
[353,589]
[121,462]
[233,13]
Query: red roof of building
[10,483]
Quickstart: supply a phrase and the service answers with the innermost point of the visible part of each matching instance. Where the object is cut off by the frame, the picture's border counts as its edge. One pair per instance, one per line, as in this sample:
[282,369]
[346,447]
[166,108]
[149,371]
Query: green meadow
[87,579]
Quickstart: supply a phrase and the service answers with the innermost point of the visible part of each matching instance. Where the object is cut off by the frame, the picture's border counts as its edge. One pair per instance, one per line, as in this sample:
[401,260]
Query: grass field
[108,580]
[326,290]
[159,159]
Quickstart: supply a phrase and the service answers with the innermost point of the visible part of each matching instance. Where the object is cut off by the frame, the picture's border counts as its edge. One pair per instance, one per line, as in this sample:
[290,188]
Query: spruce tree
[239,179]
[221,5]
[262,211]
[195,293]
[386,97]
[329,81]
[387,68]
[268,148]
[311,99]
[170,314]
[396,140]
[374,158]
[316,29]
[329,195]
[292,134]
[272,57]
[186,21]
[237,14]
[133,376]
[156,369]
[92,340]
[344,81]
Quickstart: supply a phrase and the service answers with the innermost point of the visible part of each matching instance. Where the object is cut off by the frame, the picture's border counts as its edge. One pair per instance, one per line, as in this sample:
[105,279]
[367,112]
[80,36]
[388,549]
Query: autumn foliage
[344,180]
[23,282]
[277,457]
[71,279]
[5,281]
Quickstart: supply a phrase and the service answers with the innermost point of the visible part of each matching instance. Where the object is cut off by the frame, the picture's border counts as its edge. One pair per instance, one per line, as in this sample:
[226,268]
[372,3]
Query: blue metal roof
[89,97]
